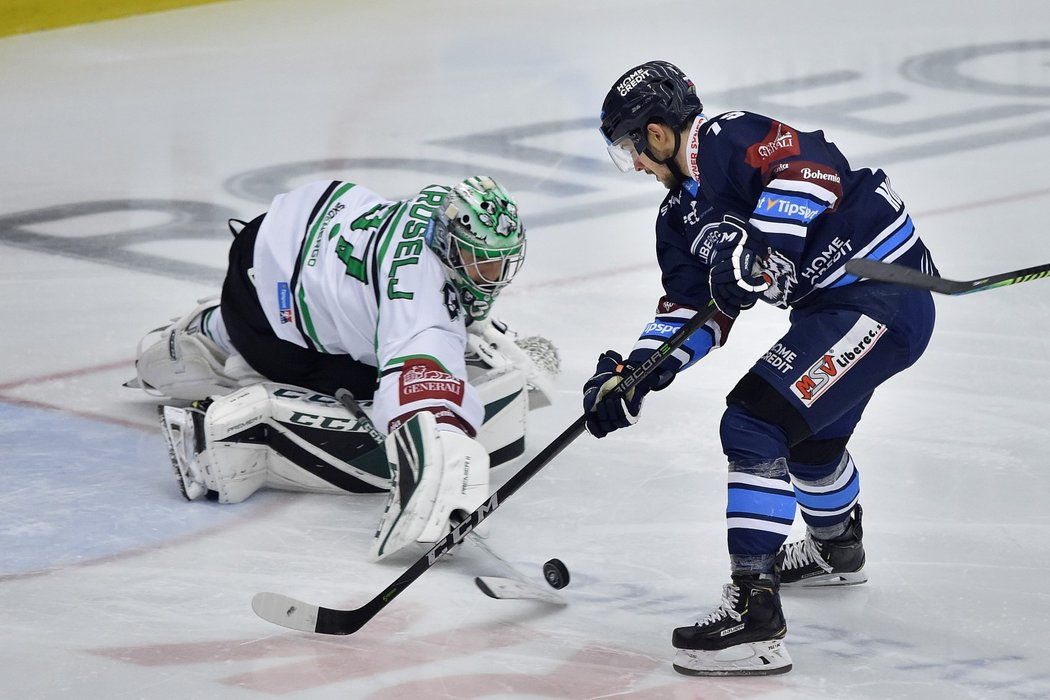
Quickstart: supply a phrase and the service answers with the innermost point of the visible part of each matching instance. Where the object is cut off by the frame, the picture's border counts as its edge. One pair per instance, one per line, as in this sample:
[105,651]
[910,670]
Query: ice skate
[835,562]
[741,638]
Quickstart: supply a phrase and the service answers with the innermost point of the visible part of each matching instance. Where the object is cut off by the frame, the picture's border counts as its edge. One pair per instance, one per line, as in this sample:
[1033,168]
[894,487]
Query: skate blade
[846,579]
[754,659]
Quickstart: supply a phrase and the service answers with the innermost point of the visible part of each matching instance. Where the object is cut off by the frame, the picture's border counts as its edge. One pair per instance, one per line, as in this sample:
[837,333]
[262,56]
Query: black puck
[556,573]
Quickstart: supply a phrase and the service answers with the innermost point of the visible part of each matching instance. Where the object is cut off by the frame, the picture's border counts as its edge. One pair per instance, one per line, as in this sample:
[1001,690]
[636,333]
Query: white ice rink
[125,146]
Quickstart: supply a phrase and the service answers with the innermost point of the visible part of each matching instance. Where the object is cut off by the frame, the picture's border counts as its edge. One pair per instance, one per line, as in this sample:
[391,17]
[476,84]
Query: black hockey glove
[736,275]
[606,414]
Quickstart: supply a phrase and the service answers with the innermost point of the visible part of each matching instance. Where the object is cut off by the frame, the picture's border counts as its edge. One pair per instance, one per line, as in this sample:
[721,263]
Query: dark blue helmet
[656,91]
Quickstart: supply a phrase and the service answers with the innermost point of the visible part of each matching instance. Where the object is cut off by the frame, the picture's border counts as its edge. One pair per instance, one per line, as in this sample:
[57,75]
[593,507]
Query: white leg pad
[240,467]
[237,469]
[182,364]
[433,474]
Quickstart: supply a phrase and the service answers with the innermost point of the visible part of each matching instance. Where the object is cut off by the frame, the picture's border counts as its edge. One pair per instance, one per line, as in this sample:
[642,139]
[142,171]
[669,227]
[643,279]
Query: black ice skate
[835,562]
[741,638]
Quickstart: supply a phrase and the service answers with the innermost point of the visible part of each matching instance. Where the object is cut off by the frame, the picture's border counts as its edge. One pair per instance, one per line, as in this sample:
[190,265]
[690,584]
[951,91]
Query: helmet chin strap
[670,161]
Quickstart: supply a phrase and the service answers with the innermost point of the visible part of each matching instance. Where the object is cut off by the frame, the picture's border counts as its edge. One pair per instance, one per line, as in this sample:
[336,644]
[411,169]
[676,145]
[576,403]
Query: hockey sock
[759,513]
[826,501]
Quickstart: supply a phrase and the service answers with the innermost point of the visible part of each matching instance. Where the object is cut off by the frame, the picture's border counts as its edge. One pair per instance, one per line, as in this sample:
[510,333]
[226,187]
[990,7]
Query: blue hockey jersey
[814,213]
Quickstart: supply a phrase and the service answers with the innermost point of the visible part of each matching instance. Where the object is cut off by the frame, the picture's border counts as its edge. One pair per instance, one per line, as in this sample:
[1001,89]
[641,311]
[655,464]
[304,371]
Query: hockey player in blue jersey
[758,210]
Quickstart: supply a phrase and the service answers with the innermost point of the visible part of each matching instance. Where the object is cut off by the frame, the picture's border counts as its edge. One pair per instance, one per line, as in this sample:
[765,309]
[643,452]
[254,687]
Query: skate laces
[730,597]
[804,552]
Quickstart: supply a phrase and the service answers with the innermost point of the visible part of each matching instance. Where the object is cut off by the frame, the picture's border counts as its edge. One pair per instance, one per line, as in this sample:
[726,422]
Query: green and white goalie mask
[480,238]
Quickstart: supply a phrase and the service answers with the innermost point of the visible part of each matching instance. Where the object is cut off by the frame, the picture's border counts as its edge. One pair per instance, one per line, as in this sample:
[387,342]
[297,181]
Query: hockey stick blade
[502,588]
[297,615]
[287,612]
[910,277]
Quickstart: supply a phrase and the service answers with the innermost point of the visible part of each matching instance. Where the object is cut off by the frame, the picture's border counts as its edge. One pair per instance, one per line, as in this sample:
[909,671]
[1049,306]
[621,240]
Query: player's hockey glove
[608,413]
[736,277]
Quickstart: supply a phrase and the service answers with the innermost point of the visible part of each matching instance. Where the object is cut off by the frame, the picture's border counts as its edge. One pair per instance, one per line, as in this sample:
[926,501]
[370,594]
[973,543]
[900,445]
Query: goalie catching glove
[433,474]
[608,413]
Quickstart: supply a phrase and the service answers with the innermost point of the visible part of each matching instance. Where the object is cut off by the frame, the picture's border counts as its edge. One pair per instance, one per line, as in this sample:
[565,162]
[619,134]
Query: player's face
[661,145]
[481,272]
[644,163]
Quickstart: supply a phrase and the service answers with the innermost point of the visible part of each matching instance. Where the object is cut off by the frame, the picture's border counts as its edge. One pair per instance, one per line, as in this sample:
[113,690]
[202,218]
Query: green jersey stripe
[305,252]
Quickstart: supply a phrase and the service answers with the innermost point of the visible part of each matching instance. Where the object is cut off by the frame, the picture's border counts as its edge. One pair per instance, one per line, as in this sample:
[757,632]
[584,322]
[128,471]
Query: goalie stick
[910,277]
[306,617]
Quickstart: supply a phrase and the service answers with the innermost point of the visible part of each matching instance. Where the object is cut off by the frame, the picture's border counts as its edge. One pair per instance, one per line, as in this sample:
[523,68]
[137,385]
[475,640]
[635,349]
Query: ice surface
[127,144]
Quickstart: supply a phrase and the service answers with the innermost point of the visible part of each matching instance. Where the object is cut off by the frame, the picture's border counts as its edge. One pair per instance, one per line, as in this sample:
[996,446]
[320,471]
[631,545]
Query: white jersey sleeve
[338,269]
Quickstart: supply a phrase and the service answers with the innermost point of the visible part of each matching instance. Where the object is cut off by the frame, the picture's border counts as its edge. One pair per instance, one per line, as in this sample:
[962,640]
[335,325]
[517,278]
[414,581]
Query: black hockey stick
[306,617]
[499,587]
[888,272]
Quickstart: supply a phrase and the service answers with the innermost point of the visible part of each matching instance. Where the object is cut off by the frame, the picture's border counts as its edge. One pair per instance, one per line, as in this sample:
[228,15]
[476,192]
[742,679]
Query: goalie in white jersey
[335,287]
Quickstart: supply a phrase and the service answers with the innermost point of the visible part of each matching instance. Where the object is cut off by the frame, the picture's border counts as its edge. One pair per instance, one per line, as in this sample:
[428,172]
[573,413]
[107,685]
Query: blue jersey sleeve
[683,230]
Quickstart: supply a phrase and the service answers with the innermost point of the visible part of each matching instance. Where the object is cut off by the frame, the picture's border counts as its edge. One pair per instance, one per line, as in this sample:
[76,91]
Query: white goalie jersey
[339,269]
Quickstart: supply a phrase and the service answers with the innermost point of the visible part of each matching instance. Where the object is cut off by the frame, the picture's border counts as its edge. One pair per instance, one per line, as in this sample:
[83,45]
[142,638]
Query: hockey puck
[556,573]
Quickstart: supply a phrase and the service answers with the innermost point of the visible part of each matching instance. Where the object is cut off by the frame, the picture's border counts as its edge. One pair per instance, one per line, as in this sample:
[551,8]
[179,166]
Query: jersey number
[344,250]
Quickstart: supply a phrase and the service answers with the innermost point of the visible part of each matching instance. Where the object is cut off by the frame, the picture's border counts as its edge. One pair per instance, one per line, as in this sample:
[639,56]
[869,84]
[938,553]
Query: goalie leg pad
[285,437]
[433,474]
[180,362]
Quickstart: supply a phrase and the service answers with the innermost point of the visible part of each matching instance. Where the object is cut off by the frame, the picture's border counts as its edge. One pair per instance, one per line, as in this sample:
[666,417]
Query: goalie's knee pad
[283,437]
[433,474]
[180,362]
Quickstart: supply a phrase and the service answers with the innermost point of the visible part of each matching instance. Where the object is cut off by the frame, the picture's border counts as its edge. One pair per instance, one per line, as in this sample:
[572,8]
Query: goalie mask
[479,237]
[656,91]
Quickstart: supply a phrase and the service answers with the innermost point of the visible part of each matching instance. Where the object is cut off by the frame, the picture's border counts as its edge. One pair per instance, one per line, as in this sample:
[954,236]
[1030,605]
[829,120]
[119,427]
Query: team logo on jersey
[451,300]
[284,303]
[423,379]
[780,272]
[781,142]
[837,360]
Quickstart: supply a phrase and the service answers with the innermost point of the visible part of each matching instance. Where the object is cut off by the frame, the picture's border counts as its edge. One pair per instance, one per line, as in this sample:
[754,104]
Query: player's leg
[743,635]
[196,356]
[190,358]
[272,435]
[827,487]
[827,364]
